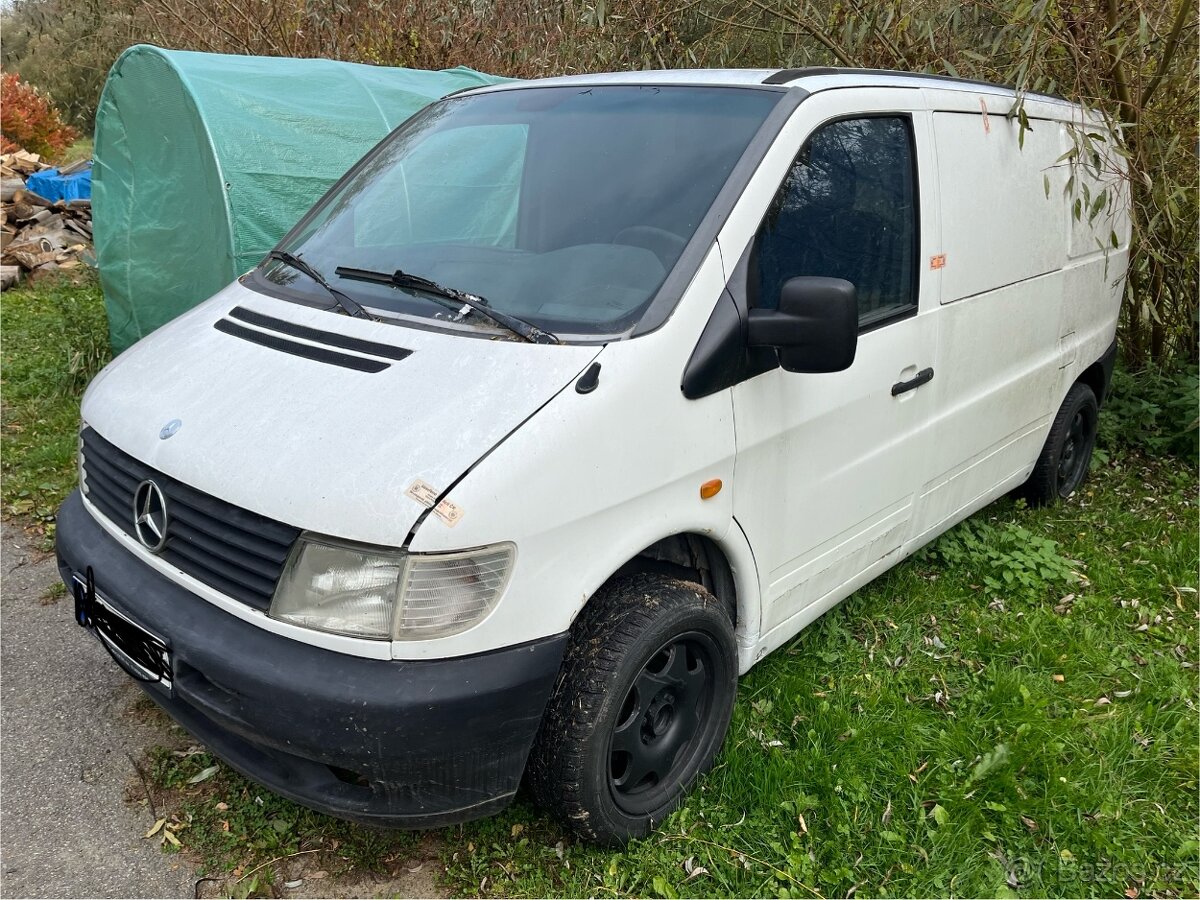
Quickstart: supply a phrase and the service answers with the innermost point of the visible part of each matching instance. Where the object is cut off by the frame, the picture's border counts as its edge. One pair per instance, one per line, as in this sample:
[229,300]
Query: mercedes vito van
[569,403]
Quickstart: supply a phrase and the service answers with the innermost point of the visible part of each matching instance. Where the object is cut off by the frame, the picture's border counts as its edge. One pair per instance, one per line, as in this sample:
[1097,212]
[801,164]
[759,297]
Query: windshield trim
[658,311]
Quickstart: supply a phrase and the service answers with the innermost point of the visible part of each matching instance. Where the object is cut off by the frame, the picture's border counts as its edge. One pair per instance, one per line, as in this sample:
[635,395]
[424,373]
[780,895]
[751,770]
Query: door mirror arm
[815,328]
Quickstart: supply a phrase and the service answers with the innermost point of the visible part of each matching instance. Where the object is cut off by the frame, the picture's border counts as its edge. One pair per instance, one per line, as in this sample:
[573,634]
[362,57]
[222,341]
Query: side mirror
[815,328]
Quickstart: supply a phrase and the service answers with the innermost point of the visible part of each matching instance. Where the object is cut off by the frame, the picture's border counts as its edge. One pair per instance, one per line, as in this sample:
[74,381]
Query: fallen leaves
[165,830]
[204,774]
[693,870]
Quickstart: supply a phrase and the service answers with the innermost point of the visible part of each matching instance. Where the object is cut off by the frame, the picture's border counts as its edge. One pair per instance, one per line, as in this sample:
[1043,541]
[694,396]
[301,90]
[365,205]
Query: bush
[1154,411]
[1008,558]
[28,120]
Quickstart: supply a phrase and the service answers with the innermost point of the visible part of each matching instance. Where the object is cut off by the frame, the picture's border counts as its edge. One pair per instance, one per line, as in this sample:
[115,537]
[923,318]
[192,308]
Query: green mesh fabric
[203,162]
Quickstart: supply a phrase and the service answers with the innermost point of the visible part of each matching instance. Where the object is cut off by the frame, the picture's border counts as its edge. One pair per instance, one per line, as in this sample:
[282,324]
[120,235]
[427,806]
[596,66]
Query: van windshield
[564,206]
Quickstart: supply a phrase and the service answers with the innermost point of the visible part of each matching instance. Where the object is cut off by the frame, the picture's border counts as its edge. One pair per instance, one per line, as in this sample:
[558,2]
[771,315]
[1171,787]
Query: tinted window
[847,210]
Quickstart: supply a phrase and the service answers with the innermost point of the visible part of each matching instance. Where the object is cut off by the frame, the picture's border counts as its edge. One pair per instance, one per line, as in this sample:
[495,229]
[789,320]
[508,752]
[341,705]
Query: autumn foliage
[29,120]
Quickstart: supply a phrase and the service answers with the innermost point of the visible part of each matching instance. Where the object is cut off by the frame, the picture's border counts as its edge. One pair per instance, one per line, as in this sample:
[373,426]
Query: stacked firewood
[39,238]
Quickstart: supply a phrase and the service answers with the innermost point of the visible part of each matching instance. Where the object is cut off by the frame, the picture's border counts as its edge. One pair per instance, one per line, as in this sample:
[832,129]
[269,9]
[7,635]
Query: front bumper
[408,744]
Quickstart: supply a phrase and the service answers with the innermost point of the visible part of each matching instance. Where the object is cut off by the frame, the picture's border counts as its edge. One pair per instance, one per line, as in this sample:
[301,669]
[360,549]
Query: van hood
[317,419]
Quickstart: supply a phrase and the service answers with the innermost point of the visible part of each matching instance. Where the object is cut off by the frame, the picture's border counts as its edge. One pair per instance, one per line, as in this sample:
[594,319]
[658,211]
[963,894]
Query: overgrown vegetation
[1131,60]
[1154,411]
[55,338]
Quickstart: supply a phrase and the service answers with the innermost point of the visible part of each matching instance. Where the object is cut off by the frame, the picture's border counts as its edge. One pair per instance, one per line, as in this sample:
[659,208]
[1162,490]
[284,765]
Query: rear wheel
[1063,464]
[640,708]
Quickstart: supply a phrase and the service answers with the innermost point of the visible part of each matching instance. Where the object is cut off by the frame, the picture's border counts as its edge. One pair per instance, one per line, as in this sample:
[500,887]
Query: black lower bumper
[408,744]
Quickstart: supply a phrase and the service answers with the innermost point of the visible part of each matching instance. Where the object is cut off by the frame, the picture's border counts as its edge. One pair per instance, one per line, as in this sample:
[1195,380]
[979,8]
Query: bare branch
[810,29]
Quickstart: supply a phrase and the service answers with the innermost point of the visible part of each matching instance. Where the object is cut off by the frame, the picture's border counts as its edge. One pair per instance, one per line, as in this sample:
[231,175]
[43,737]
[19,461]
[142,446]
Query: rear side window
[847,209]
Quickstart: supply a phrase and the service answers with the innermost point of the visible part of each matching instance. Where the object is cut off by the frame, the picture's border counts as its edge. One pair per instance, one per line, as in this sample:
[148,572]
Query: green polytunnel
[204,161]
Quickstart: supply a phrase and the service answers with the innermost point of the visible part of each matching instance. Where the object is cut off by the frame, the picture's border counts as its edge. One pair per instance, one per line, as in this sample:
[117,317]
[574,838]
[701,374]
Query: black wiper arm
[349,305]
[402,279]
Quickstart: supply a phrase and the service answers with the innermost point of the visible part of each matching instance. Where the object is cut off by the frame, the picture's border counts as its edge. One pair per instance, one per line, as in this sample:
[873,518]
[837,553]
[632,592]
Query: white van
[568,404]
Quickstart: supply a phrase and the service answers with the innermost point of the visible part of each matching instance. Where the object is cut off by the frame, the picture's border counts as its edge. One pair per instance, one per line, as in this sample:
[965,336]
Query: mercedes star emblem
[150,515]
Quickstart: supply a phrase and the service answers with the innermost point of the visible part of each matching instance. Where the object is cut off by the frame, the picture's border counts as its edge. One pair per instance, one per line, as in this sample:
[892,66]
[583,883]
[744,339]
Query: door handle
[923,377]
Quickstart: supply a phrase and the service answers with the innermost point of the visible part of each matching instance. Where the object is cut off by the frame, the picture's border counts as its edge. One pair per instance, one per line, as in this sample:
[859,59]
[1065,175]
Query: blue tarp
[53,186]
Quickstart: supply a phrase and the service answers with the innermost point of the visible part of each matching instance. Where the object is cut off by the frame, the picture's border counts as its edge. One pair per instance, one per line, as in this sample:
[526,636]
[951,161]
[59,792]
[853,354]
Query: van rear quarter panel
[1000,224]
[1021,314]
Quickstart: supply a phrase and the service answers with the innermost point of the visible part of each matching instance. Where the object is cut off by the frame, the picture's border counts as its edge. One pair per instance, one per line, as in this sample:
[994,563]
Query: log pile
[39,238]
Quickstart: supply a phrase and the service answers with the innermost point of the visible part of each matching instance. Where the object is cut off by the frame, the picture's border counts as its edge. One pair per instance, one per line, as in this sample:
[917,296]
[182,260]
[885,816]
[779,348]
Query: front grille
[232,550]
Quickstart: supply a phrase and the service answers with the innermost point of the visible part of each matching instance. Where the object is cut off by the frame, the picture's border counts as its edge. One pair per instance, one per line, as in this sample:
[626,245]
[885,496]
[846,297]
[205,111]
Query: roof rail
[783,76]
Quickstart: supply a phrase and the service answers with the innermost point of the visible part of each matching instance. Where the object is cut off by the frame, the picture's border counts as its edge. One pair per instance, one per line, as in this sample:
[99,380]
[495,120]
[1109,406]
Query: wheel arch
[1094,377]
[1098,376]
[725,568]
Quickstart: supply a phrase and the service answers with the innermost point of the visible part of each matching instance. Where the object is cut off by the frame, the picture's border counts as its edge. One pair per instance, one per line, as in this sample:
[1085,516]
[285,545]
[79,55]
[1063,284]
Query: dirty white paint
[829,480]
[324,448]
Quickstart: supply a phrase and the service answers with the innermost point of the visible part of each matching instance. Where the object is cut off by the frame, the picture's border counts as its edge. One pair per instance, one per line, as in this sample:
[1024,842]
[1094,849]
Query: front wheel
[1063,463]
[640,709]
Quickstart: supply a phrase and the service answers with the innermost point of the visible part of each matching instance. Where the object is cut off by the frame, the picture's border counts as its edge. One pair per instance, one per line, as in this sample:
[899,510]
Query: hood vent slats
[276,327]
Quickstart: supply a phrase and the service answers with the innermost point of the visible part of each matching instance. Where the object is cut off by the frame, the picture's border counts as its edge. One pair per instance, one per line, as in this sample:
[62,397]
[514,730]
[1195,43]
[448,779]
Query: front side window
[564,206]
[847,209]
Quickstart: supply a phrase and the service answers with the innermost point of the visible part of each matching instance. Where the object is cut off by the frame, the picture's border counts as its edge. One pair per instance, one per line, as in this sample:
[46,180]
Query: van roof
[811,79]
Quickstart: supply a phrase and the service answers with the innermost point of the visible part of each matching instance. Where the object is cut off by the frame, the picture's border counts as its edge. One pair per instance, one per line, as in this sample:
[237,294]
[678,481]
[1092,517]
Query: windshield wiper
[348,305]
[402,279]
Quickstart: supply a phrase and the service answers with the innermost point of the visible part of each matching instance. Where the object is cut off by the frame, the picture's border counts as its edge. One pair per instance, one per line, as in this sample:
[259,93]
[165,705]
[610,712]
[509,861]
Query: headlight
[378,593]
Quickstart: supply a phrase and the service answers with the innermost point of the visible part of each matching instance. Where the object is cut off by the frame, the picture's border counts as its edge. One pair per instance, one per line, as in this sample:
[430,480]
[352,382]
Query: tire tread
[1042,487]
[603,634]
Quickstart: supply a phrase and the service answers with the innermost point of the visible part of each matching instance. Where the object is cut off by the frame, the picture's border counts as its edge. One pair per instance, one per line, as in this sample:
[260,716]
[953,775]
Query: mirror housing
[815,328]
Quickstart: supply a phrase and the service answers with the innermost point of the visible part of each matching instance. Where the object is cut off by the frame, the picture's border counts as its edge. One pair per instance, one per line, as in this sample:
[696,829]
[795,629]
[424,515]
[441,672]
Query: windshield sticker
[448,512]
[423,492]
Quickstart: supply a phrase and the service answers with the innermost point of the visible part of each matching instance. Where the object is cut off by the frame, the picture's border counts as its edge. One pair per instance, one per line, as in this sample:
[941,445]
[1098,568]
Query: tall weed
[1154,411]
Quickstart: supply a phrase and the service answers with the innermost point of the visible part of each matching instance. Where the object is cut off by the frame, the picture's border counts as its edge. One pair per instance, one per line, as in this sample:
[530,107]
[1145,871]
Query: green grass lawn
[1011,713]
[53,339]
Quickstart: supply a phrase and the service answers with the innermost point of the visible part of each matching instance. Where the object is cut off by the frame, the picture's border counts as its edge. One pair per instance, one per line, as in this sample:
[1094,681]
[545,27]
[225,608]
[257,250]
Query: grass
[81,148]
[53,339]
[230,825]
[1010,713]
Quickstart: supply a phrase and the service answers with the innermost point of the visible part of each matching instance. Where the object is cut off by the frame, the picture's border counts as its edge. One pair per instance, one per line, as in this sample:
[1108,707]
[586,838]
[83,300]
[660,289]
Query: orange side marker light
[710,489]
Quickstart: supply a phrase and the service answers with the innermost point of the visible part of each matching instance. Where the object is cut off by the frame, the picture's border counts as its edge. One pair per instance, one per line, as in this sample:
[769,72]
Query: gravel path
[65,735]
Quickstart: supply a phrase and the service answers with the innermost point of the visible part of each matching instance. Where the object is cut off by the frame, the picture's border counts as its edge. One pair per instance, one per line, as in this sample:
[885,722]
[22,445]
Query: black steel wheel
[1076,450]
[661,723]
[1063,463]
[640,709]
